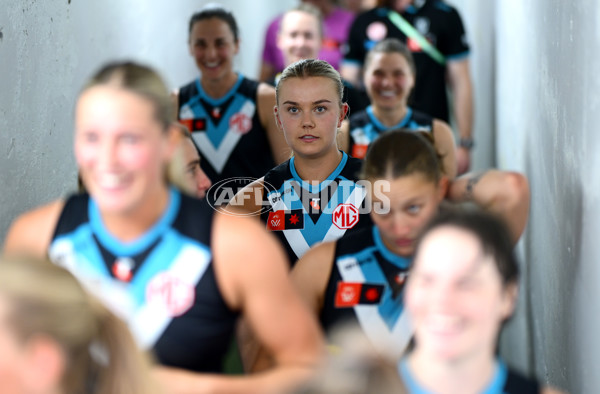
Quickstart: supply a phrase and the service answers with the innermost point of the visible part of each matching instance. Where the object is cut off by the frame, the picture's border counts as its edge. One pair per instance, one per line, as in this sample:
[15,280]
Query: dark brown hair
[402,152]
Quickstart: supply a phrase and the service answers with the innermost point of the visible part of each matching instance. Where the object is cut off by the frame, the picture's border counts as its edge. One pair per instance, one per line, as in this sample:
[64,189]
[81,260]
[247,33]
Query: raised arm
[445,146]
[459,80]
[504,193]
[266,101]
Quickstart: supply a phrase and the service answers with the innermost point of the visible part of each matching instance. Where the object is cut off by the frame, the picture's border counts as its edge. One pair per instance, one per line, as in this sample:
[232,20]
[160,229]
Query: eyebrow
[313,103]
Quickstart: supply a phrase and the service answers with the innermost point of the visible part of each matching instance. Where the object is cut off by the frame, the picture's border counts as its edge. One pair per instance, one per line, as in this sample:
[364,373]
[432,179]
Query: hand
[463,159]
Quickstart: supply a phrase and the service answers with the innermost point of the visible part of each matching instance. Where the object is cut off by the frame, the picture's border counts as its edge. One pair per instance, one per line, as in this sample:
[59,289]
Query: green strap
[406,28]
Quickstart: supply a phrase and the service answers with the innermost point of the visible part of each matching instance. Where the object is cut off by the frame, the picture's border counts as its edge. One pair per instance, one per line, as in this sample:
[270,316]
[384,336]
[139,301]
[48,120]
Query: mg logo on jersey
[172,293]
[345,216]
[240,123]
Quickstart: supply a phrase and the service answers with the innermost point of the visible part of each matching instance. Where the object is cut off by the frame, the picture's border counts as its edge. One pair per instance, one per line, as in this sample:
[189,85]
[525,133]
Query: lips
[111,181]
[309,138]
[404,242]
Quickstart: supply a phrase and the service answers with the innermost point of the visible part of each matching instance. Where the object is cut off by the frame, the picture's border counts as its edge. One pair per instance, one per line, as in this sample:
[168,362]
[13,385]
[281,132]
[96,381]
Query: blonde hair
[141,80]
[307,68]
[101,355]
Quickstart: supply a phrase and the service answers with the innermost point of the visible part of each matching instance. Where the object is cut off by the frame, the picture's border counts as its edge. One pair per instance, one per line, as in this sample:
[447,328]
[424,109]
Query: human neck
[317,169]
[467,376]
[390,117]
[131,225]
[217,88]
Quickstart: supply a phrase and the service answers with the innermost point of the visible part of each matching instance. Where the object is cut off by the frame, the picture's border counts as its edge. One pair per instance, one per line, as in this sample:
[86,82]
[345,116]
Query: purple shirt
[336,27]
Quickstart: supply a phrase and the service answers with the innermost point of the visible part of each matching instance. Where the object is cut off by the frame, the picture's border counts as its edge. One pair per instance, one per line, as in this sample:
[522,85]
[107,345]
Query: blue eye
[413,209]
[320,109]
[292,110]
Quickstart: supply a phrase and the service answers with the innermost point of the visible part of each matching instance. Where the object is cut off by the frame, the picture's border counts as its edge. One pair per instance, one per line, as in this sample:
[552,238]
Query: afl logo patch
[240,123]
[376,31]
[170,292]
[345,216]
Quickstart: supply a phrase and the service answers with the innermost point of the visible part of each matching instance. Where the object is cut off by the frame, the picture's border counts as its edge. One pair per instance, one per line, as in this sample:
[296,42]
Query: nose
[401,228]
[108,155]
[203,183]
[210,52]
[307,120]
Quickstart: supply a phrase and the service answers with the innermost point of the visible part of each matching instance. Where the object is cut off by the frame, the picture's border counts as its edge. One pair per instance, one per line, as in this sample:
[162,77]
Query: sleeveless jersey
[302,213]
[227,131]
[366,128]
[365,287]
[162,284]
[505,381]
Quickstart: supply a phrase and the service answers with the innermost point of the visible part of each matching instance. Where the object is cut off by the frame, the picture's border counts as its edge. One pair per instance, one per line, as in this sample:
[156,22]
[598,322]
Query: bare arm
[445,146]
[31,233]
[266,102]
[462,95]
[249,199]
[311,274]
[503,193]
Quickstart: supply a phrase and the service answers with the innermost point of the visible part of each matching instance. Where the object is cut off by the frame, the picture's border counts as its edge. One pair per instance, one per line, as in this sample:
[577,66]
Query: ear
[443,186]
[277,119]
[237,47]
[343,113]
[511,293]
[46,364]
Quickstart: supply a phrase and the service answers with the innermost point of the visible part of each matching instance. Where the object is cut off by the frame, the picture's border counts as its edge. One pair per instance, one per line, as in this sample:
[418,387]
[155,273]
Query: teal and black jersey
[227,131]
[366,128]
[163,283]
[365,288]
[504,381]
[303,213]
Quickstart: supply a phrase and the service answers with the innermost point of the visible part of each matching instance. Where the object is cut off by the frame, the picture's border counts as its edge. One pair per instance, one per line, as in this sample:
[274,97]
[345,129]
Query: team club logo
[172,293]
[345,216]
[350,294]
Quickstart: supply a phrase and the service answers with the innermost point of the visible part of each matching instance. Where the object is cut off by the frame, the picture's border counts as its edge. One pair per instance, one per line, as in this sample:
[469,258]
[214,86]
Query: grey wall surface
[49,48]
[534,65]
[547,96]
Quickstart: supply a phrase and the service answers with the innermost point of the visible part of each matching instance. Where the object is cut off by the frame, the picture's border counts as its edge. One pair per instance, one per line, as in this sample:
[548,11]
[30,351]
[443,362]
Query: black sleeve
[355,48]
[454,40]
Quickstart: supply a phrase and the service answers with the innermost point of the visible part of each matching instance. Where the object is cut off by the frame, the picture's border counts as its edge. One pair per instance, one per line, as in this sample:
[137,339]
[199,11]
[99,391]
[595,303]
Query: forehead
[308,89]
[452,252]
[112,107]
[299,20]
[211,28]
[405,188]
[380,60]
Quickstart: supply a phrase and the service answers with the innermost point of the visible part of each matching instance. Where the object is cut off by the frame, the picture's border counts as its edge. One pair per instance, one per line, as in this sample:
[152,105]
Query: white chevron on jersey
[392,343]
[295,238]
[152,318]
[218,156]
